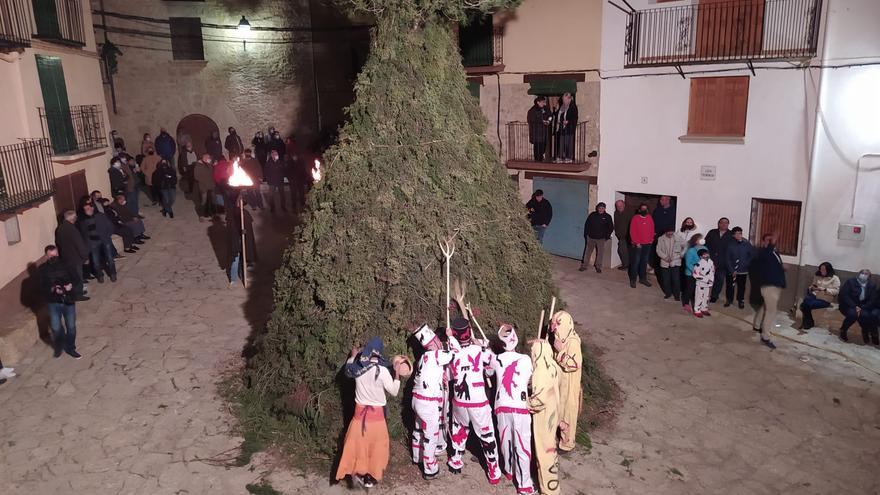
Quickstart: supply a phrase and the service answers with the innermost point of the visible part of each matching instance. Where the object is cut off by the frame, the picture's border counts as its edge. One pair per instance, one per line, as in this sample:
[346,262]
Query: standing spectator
[165,181]
[148,167]
[717,241]
[537,120]
[117,141]
[97,230]
[73,251]
[57,283]
[146,143]
[203,173]
[118,178]
[235,269]
[233,144]
[132,184]
[669,252]
[165,145]
[641,236]
[691,258]
[261,148]
[621,231]
[664,216]
[820,294]
[597,229]
[185,164]
[129,219]
[540,214]
[213,146]
[772,281]
[276,143]
[686,232]
[252,167]
[704,277]
[738,258]
[857,297]
[275,173]
[567,121]
[222,172]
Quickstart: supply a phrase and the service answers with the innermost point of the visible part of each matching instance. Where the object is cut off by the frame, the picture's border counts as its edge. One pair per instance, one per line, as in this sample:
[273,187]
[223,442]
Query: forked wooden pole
[541,326]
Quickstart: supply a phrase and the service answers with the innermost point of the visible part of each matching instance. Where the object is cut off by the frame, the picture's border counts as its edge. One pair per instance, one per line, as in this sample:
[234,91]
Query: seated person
[129,219]
[857,296]
[820,294]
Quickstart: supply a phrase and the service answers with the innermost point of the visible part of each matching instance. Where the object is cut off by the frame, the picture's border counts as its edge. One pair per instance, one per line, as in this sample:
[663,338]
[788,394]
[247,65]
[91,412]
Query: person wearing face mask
[147,143]
[717,241]
[118,178]
[261,148]
[691,258]
[669,252]
[641,238]
[233,144]
[771,282]
[148,167]
[857,298]
[738,257]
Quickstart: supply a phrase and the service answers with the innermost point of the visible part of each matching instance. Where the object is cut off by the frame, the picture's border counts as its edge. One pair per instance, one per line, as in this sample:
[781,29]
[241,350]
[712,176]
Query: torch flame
[316,171]
[239,177]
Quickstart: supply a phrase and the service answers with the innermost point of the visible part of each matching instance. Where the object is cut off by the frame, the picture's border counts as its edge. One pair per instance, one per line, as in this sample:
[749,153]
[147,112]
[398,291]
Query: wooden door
[730,29]
[69,189]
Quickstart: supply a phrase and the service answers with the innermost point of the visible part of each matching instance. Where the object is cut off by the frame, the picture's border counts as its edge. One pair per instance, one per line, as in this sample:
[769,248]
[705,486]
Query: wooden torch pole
[243,240]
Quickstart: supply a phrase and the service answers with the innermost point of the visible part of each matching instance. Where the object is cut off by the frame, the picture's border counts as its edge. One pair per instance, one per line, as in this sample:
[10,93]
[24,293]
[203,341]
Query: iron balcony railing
[15,24]
[75,129]
[26,175]
[557,145]
[482,48]
[60,21]
[727,31]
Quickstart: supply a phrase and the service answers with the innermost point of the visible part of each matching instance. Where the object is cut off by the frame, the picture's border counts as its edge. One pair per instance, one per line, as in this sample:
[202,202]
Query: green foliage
[264,488]
[413,13]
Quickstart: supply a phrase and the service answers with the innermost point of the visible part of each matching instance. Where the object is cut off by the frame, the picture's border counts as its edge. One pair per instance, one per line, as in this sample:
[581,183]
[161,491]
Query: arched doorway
[195,128]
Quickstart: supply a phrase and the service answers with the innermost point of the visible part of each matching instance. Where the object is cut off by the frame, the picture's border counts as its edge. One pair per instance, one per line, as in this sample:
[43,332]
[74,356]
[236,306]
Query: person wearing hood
[544,406]
[597,229]
[470,402]
[641,238]
[213,146]
[428,396]
[820,294]
[234,146]
[165,180]
[513,371]
[57,283]
[704,276]
[365,451]
[772,281]
[203,173]
[165,145]
[97,230]
[540,213]
[739,255]
[569,357]
[857,299]
[148,167]
[261,148]
[276,144]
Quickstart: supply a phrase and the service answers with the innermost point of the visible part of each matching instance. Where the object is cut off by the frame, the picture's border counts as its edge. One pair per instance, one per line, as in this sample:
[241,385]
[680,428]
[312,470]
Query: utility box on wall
[851,232]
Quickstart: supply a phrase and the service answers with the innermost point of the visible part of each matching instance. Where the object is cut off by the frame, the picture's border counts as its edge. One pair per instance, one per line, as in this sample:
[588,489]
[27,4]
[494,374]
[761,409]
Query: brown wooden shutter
[730,28]
[782,218]
[718,106]
[186,38]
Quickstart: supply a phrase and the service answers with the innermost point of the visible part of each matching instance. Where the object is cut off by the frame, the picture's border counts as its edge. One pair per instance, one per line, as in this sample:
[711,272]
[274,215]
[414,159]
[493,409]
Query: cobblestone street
[706,409]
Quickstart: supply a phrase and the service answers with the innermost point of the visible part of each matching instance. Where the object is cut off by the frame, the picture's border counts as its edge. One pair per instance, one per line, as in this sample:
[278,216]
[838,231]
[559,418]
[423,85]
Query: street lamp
[244,28]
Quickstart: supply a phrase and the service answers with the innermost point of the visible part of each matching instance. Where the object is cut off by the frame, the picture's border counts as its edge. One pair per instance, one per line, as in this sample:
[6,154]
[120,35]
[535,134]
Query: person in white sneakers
[513,371]
[704,275]
[429,393]
[470,404]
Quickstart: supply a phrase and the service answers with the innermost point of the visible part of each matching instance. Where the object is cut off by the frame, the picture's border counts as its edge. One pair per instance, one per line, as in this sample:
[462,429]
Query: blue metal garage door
[570,201]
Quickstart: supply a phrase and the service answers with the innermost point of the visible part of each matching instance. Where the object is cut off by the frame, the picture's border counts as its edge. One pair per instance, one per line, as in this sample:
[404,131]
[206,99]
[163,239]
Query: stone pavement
[706,409]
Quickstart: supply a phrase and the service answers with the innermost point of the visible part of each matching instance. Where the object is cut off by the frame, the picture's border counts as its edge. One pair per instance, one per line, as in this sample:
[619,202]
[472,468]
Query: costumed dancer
[513,371]
[365,451]
[570,358]
[428,396]
[544,405]
[470,404]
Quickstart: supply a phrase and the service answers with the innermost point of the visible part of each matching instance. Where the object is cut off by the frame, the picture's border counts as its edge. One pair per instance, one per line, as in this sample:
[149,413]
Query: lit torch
[240,179]
[316,171]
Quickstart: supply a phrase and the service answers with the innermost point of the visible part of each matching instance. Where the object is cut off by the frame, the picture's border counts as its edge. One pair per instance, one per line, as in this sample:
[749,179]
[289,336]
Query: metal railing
[75,129]
[15,24]
[26,175]
[558,146]
[728,31]
[60,21]
[483,51]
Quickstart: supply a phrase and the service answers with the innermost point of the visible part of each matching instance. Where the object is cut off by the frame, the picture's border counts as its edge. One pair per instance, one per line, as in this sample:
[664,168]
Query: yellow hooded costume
[570,360]
[544,406]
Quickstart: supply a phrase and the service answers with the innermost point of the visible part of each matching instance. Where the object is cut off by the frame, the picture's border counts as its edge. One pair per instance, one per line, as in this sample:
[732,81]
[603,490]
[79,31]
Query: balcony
[15,24]
[521,152]
[481,46]
[26,176]
[59,21]
[723,32]
[74,130]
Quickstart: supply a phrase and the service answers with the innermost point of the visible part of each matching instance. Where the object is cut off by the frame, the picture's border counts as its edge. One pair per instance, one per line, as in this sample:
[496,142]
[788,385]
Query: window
[474,89]
[476,42]
[718,106]
[186,38]
[779,217]
[57,109]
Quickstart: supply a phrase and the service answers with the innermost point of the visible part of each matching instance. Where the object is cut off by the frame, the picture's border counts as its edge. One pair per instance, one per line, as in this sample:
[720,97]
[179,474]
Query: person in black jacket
[73,250]
[213,146]
[276,143]
[57,283]
[717,241]
[567,120]
[261,148]
[858,298]
[118,178]
[165,180]
[276,170]
[233,144]
[597,229]
[540,214]
[772,281]
[97,229]
[538,121]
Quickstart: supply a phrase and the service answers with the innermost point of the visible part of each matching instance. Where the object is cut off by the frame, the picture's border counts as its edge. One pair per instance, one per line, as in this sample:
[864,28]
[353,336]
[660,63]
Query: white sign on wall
[707,172]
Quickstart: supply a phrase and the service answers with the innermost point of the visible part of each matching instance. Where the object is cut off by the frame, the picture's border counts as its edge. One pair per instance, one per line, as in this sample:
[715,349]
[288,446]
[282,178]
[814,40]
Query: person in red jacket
[641,236]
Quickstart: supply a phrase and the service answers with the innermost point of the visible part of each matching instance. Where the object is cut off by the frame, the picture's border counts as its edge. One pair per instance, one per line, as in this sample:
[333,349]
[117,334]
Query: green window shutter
[46,17]
[552,87]
[475,41]
[474,89]
[57,108]
[186,38]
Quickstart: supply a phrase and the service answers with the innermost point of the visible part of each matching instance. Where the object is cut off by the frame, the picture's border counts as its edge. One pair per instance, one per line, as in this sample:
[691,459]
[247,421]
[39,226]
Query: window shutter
[46,17]
[718,106]
[476,43]
[186,38]
[57,107]
[780,217]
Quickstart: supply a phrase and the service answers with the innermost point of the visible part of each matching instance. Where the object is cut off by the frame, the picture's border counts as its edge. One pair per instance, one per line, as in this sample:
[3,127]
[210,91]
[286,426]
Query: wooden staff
[541,326]
[552,308]
[474,319]
[243,239]
[448,248]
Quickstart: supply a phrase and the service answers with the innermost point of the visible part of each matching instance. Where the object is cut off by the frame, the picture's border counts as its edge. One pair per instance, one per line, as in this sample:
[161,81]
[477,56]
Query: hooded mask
[461,328]
[370,357]
[563,325]
[425,336]
[507,334]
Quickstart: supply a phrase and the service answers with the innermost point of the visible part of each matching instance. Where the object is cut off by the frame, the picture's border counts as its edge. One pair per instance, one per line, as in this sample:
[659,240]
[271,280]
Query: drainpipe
[107,69]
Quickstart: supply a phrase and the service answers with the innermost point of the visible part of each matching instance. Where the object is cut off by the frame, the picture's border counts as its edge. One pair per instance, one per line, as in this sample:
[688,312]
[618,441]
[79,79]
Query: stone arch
[196,128]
